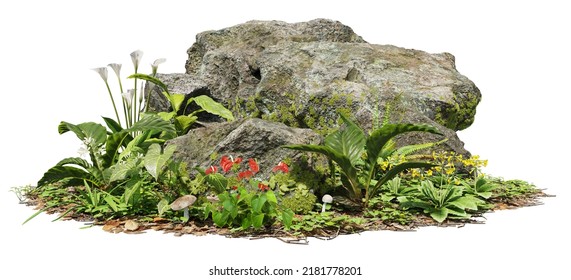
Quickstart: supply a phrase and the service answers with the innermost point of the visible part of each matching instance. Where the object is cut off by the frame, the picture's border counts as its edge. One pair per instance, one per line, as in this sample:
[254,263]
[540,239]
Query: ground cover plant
[127,180]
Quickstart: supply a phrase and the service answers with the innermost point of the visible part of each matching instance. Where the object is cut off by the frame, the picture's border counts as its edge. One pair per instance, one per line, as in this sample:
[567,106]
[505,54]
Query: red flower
[211,169]
[227,162]
[282,166]
[245,174]
[253,165]
[234,187]
[263,187]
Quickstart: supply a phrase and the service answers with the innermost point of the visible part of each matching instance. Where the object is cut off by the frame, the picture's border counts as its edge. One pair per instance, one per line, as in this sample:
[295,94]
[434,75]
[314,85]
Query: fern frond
[411,149]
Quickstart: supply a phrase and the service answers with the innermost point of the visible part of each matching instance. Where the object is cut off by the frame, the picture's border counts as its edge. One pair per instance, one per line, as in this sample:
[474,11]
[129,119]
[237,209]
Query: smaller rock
[131,225]
[246,138]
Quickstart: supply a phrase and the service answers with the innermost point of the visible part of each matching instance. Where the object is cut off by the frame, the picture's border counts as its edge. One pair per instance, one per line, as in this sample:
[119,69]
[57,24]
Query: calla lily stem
[113,101]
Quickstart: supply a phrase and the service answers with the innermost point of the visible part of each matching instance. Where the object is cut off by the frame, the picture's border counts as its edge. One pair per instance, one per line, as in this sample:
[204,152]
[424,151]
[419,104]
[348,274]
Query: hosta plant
[447,201]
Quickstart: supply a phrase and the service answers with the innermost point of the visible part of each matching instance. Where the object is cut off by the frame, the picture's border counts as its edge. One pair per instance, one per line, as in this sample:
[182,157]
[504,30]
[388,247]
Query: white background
[516,52]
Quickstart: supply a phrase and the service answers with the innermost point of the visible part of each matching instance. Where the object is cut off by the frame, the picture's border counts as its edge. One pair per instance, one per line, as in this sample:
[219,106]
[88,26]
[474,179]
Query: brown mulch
[135,225]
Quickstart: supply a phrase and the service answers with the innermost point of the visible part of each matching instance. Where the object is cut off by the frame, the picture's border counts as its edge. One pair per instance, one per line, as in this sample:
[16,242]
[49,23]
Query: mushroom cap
[327,199]
[183,202]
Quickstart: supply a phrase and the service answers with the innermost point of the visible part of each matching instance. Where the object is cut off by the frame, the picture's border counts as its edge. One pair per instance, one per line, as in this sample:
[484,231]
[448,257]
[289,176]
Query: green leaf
[258,203]
[162,206]
[155,160]
[151,79]
[379,138]
[213,107]
[58,173]
[352,184]
[271,196]
[390,174]
[439,215]
[132,194]
[217,181]
[220,218]
[246,222]
[135,146]
[36,214]
[349,141]
[183,123]
[407,150]
[115,142]
[287,218]
[258,220]
[95,131]
[167,116]
[112,124]
[467,202]
[112,202]
[176,100]
[155,123]
[121,170]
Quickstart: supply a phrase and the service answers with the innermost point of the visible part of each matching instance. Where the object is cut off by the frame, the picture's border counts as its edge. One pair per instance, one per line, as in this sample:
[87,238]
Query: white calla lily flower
[136,58]
[102,71]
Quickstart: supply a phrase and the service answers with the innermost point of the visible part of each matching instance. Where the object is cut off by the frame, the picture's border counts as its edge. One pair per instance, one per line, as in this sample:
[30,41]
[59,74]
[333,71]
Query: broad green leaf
[439,215]
[246,222]
[230,208]
[258,203]
[271,196]
[132,193]
[184,122]
[58,173]
[155,160]
[113,125]
[467,202]
[349,141]
[152,122]
[258,220]
[151,79]
[95,131]
[213,107]
[167,116]
[176,100]
[75,161]
[220,218]
[121,170]
[114,143]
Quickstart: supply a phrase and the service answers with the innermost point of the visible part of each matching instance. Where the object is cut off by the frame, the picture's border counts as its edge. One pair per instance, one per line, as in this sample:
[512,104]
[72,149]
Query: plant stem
[113,101]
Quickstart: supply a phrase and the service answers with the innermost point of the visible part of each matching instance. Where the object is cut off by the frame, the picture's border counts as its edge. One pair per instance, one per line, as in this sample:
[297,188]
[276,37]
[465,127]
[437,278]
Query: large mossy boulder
[305,74]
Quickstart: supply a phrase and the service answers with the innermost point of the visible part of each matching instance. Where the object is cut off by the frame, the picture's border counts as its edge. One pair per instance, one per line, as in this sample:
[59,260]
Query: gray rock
[305,74]
[246,138]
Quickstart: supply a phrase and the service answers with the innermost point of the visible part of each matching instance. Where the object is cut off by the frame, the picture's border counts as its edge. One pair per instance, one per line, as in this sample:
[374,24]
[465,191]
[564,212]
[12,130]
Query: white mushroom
[182,203]
[326,199]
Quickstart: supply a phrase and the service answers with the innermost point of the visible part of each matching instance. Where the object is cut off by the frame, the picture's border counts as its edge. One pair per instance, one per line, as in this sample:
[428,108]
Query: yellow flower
[415,173]
[450,170]
[429,172]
